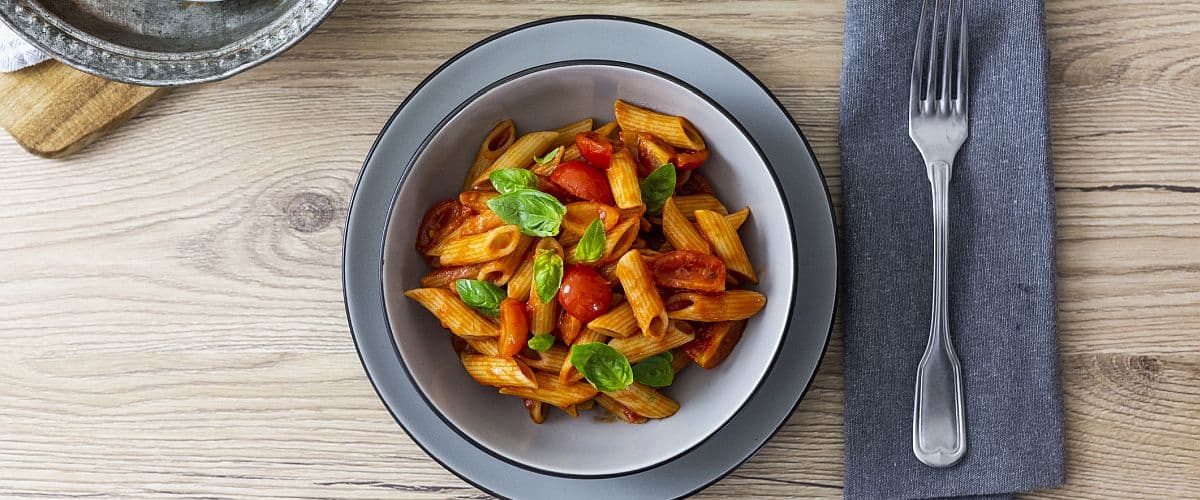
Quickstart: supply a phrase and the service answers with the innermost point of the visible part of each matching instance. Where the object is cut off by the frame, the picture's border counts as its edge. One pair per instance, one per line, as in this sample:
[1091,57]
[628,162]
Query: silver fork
[937,123]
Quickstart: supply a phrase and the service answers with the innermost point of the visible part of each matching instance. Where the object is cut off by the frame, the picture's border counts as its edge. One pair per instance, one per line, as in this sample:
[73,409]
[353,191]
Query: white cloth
[16,53]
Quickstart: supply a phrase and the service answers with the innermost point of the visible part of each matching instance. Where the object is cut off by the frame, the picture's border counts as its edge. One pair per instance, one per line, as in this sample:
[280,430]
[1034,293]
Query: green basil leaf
[507,180]
[655,371]
[591,244]
[548,158]
[657,187]
[534,212]
[541,342]
[602,366]
[547,274]
[482,296]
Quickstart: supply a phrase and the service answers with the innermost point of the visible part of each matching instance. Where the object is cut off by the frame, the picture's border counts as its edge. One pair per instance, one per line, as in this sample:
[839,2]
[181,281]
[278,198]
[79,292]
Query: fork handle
[939,423]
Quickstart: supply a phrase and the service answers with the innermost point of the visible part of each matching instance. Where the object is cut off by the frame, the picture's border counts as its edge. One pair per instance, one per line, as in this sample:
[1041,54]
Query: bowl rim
[791,293]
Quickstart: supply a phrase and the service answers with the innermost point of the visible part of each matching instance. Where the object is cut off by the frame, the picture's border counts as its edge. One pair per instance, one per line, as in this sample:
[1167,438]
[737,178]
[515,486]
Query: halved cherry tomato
[595,148]
[442,218]
[687,160]
[689,270]
[514,327]
[552,189]
[577,178]
[652,153]
[584,293]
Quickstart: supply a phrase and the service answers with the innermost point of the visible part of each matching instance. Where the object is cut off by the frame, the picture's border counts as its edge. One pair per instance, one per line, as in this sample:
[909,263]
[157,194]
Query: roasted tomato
[687,160]
[578,179]
[595,148]
[442,218]
[652,153]
[685,269]
[514,327]
[584,293]
[714,342]
[696,184]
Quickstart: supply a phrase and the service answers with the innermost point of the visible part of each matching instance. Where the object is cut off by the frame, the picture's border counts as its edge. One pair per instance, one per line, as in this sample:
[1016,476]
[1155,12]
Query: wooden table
[171,318]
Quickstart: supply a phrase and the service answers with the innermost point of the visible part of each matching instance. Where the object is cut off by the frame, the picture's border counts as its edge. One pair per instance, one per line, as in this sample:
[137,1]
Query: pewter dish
[711,73]
[164,42]
[544,98]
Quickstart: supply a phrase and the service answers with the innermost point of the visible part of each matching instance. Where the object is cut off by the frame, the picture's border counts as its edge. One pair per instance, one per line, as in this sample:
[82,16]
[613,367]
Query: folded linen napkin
[16,53]
[1003,312]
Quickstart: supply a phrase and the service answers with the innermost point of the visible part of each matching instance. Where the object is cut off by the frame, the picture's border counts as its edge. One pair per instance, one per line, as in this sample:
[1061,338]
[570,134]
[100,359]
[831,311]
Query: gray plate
[711,73]
[164,42]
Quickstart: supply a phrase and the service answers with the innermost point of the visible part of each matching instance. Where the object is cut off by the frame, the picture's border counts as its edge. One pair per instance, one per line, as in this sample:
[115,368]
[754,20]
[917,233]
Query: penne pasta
[537,410]
[443,277]
[550,360]
[522,279]
[479,223]
[640,291]
[680,232]
[519,155]
[571,153]
[483,345]
[617,322]
[714,342]
[545,169]
[619,240]
[623,179]
[550,391]
[639,347]
[736,219]
[679,360]
[499,271]
[725,243]
[569,327]
[689,204]
[478,248]
[460,319]
[567,133]
[713,307]
[675,130]
[497,141]
[619,410]
[645,401]
[608,130]
[477,200]
[498,372]
[543,316]
[653,152]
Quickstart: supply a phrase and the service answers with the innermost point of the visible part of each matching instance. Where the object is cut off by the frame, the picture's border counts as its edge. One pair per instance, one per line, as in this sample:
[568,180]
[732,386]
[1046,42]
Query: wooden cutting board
[53,110]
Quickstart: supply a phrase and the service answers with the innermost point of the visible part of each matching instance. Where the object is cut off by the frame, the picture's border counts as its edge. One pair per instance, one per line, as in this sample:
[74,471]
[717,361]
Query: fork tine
[960,92]
[948,47]
[931,77]
[914,90]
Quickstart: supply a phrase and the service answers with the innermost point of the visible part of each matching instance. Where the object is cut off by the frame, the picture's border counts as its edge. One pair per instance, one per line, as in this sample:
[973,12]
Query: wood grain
[53,110]
[173,322]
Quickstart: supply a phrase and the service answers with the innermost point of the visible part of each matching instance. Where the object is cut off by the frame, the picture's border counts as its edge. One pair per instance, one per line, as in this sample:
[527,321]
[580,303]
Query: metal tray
[164,42]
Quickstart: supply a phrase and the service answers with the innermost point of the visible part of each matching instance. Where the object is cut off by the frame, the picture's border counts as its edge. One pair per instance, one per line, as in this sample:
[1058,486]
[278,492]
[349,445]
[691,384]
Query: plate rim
[835,298]
[792,291]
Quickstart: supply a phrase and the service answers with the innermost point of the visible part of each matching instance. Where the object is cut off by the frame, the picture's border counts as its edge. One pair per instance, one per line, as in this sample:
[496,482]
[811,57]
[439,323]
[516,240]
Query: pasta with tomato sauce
[586,266]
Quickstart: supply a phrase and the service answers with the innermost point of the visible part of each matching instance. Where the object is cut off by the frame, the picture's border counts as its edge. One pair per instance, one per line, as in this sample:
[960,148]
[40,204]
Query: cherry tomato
[552,189]
[652,153]
[442,218]
[687,160]
[595,148]
[689,270]
[514,327]
[577,178]
[584,293]
[696,184]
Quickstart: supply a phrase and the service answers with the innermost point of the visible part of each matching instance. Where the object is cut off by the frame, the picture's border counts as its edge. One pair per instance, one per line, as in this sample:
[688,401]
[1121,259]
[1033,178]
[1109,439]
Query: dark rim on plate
[804,140]
[589,62]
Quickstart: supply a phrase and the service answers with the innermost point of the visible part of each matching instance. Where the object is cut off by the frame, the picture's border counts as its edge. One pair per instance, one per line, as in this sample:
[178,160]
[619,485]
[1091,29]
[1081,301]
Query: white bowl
[545,98]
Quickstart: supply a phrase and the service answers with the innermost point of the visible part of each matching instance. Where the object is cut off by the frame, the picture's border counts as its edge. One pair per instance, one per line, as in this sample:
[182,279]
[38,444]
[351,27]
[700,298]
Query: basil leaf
[507,180]
[541,342]
[482,296]
[657,187]
[655,371]
[591,244]
[547,274]
[534,212]
[548,158]
[602,366]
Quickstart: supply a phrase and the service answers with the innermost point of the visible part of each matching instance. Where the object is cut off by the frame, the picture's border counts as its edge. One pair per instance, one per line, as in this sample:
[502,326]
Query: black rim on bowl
[617,64]
[836,252]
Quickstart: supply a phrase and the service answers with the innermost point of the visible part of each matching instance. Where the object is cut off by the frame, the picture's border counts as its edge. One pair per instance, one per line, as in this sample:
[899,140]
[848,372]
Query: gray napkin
[1001,261]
